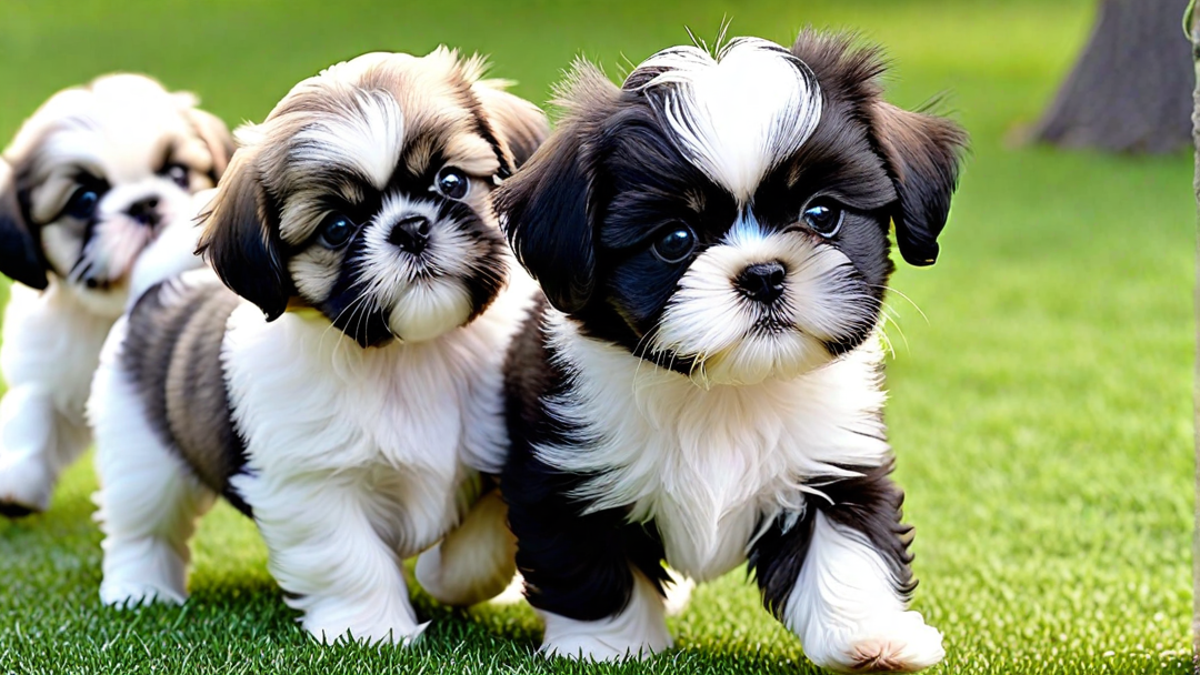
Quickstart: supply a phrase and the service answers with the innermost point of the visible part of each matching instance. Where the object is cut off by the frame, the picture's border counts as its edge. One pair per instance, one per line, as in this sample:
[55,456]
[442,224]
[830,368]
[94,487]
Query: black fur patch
[21,257]
[173,352]
[869,505]
[575,564]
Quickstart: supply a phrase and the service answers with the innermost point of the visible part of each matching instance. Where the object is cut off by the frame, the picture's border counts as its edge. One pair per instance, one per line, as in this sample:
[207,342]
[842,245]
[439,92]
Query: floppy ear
[519,125]
[544,211]
[924,153]
[20,254]
[216,136]
[240,242]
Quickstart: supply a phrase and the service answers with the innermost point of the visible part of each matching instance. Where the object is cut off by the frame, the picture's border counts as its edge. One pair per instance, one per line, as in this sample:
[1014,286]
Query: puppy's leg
[327,553]
[476,560]
[36,442]
[838,576]
[149,500]
[47,356]
[595,580]
[638,629]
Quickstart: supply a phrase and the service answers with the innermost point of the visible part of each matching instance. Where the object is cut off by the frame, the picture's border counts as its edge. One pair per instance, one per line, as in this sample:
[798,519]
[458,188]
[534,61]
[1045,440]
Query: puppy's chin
[759,357]
[429,309]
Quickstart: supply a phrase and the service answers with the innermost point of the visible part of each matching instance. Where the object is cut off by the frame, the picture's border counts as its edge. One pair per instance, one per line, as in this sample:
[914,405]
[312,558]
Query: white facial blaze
[737,115]
[370,138]
[710,321]
[423,295]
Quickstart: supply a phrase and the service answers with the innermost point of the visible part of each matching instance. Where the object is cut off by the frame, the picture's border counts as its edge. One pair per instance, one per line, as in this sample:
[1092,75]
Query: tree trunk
[1192,24]
[1130,89]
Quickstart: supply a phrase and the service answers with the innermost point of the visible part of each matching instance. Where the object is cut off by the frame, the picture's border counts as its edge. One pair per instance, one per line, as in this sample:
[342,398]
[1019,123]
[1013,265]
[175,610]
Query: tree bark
[1130,89]
[1192,24]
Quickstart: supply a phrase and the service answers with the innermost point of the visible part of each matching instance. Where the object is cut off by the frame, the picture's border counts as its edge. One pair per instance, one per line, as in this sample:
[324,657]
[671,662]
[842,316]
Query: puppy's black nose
[411,234]
[145,211]
[762,282]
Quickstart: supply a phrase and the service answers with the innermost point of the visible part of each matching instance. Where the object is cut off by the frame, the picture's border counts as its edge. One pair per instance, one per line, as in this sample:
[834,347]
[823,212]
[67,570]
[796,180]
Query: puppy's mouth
[111,247]
[772,324]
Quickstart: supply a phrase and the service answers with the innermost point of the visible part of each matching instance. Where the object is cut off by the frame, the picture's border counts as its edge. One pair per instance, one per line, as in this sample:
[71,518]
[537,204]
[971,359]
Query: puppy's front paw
[129,594]
[333,622]
[398,636]
[599,646]
[25,487]
[899,643]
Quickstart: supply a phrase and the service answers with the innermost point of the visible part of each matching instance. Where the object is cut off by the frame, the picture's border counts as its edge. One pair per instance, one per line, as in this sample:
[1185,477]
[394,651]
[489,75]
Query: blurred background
[1040,374]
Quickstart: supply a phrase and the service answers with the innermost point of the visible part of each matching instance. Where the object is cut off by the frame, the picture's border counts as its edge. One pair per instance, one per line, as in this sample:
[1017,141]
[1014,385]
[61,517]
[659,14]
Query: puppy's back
[172,353]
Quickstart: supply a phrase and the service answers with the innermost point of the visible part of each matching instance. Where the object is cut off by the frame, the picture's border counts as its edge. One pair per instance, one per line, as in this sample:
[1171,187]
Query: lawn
[1040,395]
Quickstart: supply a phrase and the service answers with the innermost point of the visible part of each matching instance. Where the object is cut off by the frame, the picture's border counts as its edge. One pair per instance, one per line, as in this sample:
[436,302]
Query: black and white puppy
[347,392]
[704,385]
[91,181]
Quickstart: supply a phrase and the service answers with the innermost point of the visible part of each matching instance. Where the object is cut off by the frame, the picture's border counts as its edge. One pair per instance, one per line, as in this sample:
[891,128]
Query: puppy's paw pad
[908,647]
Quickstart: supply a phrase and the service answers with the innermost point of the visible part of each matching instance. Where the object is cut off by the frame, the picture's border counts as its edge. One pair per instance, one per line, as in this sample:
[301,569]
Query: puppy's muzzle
[145,212]
[411,234]
[763,282]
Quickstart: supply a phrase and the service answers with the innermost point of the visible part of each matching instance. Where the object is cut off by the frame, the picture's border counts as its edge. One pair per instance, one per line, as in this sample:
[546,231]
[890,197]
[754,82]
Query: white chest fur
[307,398]
[52,339]
[709,465]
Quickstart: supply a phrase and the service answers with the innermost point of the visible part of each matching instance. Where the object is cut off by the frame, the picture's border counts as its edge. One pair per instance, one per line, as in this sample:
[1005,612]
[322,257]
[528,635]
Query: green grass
[1040,412]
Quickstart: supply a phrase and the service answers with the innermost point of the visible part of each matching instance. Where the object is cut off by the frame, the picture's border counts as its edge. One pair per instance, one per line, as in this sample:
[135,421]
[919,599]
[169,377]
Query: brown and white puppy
[703,385]
[345,389]
[92,179]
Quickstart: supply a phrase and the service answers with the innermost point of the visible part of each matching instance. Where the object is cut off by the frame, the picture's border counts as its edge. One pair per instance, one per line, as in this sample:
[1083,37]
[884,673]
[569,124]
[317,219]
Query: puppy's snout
[145,211]
[411,234]
[762,282]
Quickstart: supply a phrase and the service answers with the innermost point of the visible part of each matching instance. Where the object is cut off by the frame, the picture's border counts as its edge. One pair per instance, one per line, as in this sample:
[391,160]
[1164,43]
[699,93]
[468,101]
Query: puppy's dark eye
[452,183]
[336,230]
[82,204]
[177,173]
[824,219]
[675,243]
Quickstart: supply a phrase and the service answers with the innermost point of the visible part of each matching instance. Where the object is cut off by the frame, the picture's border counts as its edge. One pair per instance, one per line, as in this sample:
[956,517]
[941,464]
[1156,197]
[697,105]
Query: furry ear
[216,136]
[20,254]
[544,211]
[239,241]
[545,208]
[924,153]
[519,125]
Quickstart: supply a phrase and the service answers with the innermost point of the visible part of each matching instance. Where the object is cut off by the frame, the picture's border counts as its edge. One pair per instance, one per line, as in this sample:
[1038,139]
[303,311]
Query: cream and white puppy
[91,180]
[345,390]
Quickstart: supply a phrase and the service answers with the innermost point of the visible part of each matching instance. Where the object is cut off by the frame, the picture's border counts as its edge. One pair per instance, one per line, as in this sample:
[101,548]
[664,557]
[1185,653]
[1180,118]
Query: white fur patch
[708,320]
[709,465]
[51,347]
[846,611]
[369,137]
[639,631]
[424,295]
[738,115]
